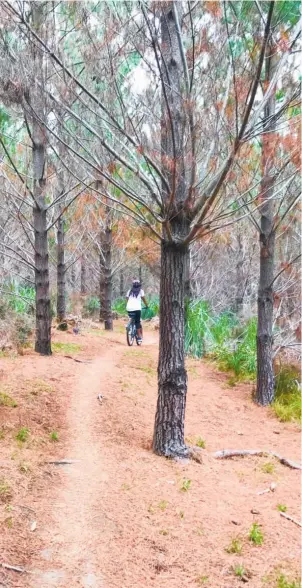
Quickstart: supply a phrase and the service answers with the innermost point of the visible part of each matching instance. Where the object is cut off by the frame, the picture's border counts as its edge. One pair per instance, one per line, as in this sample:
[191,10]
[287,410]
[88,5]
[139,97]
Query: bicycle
[131,332]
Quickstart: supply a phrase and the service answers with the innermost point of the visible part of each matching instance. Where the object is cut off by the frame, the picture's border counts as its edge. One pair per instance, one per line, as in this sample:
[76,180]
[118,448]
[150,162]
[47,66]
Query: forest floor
[118,516]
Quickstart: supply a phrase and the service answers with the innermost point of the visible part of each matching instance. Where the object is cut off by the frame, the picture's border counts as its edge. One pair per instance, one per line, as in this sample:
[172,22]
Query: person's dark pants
[136,314]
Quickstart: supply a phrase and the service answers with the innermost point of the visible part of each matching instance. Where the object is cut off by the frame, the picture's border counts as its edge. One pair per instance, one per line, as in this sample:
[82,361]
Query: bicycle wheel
[130,334]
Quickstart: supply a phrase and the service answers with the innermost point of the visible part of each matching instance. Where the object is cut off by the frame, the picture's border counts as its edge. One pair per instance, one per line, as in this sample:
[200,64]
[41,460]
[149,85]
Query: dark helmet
[136,283]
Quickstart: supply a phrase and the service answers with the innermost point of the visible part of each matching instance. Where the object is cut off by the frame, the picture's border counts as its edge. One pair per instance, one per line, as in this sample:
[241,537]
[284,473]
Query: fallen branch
[62,462]
[227,453]
[272,488]
[78,360]
[13,568]
[283,514]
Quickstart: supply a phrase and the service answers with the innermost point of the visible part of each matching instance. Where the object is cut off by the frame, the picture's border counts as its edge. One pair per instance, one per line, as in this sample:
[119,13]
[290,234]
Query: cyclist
[134,298]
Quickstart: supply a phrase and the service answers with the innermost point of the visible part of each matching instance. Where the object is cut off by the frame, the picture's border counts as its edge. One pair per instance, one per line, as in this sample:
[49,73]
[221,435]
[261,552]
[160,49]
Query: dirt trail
[70,558]
[121,517]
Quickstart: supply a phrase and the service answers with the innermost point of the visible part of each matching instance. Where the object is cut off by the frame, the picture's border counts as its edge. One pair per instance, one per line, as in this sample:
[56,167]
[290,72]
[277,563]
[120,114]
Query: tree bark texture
[265,367]
[43,309]
[122,283]
[168,437]
[106,278]
[61,272]
[83,277]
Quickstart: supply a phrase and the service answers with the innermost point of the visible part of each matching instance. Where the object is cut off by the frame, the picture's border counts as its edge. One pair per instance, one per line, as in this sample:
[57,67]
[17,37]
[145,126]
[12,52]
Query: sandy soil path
[70,558]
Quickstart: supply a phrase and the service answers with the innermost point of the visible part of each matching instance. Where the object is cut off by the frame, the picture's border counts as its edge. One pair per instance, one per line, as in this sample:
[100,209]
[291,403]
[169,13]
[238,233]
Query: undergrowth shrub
[287,403]
[23,330]
[91,306]
[239,354]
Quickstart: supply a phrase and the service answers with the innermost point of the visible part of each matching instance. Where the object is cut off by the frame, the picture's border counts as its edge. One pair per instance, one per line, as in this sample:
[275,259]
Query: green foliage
[239,355]
[66,347]
[232,344]
[200,442]
[20,298]
[152,310]
[268,468]
[256,535]
[240,571]
[119,306]
[281,507]
[54,436]
[283,582]
[91,306]
[6,400]
[23,328]
[186,484]
[287,403]
[22,435]
[235,546]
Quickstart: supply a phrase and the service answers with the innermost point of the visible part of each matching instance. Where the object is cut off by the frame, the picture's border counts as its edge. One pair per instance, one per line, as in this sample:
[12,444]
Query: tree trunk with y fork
[265,368]
[61,272]
[43,309]
[168,437]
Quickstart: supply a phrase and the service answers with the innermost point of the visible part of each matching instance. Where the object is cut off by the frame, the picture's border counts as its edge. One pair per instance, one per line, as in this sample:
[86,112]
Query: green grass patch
[256,535]
[23,434]
[185,485]
[268,467]
[6,400]
[66,347]
[281,507]
[54,436]
[284,582]
[200,443]
[287,402]
[37,387]
[5,491]
[240,571]
[235,546]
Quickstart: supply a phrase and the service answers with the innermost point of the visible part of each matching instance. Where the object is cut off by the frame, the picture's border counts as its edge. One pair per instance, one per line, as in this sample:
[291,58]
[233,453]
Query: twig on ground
[272,488]
[283,514]
[227,453]
[62,461]
[78,360]
[19,569]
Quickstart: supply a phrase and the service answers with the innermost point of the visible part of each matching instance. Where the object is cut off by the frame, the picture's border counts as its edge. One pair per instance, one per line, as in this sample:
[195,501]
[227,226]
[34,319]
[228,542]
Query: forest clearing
[118,515]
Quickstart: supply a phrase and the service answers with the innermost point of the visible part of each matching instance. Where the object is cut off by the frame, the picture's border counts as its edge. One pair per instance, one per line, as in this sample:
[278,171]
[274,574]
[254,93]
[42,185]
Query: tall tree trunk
[265,367]
[188,285]
[140,273]
[122,284]
[61,271]
[83,276]
[238,306]
[73,278]
[43,309]
[168,437]
[106,279]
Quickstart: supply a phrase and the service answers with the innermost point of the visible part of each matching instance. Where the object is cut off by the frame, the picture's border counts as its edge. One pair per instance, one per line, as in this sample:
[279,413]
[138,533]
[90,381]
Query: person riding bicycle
[134,298]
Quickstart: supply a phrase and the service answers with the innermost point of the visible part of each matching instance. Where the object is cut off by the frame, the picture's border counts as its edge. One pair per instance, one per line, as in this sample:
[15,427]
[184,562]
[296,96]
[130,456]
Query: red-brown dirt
[119,516]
